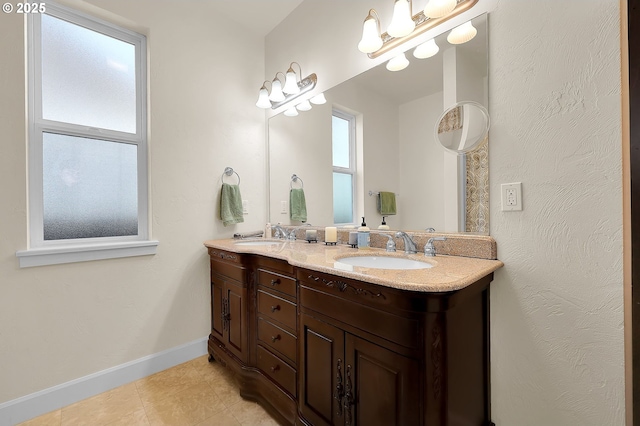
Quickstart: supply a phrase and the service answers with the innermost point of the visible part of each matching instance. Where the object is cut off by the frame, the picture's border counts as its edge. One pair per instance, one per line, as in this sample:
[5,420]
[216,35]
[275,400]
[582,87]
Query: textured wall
[554,98]
[556,308]
[61,322]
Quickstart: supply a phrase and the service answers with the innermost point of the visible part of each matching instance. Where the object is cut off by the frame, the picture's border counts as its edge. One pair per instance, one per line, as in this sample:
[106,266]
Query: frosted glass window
[340,136]
[89,188]
[342,198]
[88,78]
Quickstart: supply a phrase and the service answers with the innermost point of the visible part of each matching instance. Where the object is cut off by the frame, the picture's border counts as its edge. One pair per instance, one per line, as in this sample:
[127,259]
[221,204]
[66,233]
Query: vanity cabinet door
[321,370]
[381,387]
[236,320]
[229,318]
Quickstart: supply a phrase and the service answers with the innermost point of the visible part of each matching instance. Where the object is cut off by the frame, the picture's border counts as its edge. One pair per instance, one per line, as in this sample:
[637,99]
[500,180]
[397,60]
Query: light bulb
[439,8]
[319,99]
[371,40]
[401,23]
[304,106]
[426,50]
[291,83]
[398,63]
[462,33]
[263,99]
[276,91]
[291,112]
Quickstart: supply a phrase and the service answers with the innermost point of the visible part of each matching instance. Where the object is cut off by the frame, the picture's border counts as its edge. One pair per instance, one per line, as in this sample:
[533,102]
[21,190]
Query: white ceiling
[261,16]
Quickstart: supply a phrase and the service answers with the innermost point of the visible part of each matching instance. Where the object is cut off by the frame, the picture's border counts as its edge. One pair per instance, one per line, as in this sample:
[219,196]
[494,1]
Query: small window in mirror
[343,131]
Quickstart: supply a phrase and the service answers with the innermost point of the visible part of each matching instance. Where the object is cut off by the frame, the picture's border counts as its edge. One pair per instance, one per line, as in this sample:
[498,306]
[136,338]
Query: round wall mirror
[463,127]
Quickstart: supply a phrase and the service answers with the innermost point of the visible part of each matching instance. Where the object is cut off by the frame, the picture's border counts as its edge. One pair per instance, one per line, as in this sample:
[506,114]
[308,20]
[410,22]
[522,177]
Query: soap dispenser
[363,236]
[383,225]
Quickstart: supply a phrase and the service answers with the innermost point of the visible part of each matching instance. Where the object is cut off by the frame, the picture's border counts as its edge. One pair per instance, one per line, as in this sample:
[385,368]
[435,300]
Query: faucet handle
[391,244]
[429,248]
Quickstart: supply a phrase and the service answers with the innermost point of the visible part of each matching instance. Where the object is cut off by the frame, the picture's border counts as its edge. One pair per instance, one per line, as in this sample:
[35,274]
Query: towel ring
[229,171]
[295,178]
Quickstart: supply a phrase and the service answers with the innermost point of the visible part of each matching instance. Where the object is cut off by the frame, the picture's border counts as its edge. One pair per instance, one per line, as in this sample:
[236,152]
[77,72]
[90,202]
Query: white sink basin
[383,262]
[257,243]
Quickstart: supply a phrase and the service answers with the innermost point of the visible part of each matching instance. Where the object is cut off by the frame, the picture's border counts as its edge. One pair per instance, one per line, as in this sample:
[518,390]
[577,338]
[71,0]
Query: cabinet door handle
[339,393]
[348,399]
[275,308]
[275,282]
[275,368]
[274,338]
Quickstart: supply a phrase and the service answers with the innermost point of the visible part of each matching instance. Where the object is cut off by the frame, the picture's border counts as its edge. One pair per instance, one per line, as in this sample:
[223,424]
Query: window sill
[83,253]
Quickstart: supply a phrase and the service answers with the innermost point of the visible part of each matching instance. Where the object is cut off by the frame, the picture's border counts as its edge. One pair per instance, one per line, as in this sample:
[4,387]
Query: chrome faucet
[409,245]
[292,233]
[429,248]
[280,232]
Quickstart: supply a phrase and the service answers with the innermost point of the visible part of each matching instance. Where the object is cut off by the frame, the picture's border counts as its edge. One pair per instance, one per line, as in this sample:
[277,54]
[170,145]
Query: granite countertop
[449,273]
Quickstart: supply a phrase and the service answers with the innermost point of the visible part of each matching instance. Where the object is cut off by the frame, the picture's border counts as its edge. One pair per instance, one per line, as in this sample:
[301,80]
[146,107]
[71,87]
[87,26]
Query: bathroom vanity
[319,342]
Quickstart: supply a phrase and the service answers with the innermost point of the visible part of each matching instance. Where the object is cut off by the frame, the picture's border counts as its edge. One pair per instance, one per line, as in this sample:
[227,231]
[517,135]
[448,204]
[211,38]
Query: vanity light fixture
[371,40]
[426,50]
[318,99]
[402,20]
[397,33]
[291,80]
[439,8]
[398,63]
[281,94]
[304,106]
[291,112]
[462,34]
[276,90]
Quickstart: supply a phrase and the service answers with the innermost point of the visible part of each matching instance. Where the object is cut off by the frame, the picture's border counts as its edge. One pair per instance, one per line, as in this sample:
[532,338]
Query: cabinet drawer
[277,369]
[277,308]
[277,282]
[277,339]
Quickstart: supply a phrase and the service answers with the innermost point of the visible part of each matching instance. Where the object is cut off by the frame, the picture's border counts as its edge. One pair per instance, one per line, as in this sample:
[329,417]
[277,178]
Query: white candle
[331,234]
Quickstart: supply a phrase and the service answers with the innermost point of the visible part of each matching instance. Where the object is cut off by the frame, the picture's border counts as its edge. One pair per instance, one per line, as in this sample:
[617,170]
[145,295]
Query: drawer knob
[275,368]
[275,282]
[275,308]
[274,338]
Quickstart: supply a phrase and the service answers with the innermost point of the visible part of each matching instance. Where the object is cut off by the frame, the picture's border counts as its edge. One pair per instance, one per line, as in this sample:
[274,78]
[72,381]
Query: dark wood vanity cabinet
[346,380]
[318,349]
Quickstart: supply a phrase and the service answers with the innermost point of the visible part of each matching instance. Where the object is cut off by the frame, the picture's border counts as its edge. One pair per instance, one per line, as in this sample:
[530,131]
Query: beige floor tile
[188,407]
[225,386]
[104,408]
[249,413]
[223,418]
[168,382]
[50,419]
[137,418]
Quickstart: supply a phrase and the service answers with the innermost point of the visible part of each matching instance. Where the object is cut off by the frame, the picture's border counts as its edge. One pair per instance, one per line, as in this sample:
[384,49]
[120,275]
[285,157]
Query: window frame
[352,169]
[43,252]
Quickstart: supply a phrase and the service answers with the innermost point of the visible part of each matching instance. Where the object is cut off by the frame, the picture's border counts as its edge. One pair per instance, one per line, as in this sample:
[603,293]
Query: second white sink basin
[384,262]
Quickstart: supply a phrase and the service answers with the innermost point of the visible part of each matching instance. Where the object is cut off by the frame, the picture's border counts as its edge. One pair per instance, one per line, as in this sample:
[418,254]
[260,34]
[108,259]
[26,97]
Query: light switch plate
[283,207]
[245,206]
[511,196]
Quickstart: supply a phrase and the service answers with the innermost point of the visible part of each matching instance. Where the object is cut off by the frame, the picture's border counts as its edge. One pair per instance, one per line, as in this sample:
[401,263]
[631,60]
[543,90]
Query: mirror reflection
[375,136]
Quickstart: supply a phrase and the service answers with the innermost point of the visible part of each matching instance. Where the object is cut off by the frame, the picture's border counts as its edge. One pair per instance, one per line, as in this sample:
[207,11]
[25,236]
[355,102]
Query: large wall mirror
[390,119]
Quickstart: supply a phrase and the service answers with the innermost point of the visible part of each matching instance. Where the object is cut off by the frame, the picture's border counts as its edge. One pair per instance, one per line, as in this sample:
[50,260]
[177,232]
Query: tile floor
[196,393]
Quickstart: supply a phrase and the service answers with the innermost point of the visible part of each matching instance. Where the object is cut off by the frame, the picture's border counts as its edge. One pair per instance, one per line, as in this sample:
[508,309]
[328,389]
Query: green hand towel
[297,205]
[387,203]
[230,205]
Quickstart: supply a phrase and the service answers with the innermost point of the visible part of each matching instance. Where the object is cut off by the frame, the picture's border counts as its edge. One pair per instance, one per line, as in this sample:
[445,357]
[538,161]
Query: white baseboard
[38,403]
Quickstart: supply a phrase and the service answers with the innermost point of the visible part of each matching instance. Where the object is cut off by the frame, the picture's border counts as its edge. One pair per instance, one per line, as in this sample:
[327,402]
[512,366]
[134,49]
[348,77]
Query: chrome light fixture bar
[286,90]
[422,23]
[305,85]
